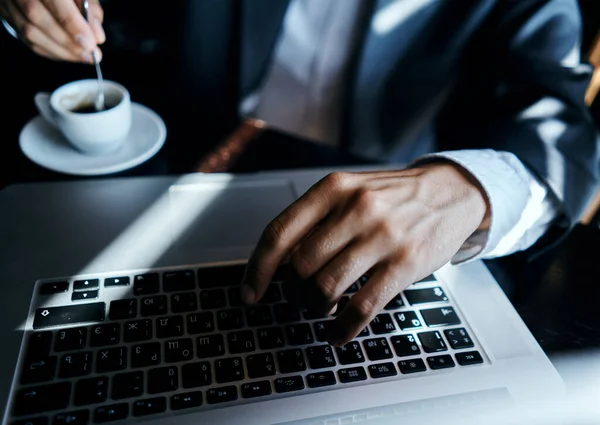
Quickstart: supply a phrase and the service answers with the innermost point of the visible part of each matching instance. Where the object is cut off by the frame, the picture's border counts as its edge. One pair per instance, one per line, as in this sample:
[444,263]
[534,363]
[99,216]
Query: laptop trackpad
[221,214]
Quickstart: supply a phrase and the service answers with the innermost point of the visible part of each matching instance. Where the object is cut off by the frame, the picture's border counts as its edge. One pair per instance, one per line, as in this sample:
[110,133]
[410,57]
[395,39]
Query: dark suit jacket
[461,74]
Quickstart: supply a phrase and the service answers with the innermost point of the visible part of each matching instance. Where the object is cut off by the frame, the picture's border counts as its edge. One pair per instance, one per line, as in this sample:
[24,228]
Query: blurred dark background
[179,57]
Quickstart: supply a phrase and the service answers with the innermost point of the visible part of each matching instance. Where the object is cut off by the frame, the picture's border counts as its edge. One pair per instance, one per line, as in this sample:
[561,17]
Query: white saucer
[45,146]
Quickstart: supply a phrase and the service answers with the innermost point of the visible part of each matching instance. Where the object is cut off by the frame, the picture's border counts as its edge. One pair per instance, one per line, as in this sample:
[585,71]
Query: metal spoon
[99,101]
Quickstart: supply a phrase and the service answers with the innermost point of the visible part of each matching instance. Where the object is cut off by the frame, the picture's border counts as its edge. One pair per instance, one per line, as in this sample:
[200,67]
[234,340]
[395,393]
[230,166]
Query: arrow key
[80,417]
[186,400]
[38,370]
[84,295]
[256,389]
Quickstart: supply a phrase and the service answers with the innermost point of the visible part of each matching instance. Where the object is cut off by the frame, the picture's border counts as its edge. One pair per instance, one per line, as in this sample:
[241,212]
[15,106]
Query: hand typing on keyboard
[399,226]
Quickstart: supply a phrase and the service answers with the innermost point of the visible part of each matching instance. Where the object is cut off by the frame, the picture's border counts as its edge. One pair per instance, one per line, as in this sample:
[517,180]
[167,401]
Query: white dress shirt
[303,94]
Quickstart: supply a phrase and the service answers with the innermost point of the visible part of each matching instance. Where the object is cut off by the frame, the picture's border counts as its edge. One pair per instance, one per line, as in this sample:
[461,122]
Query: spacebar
[57,316]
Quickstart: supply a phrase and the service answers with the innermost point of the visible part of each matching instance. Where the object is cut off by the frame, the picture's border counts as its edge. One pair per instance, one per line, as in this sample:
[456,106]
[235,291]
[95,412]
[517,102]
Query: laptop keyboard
[115,346]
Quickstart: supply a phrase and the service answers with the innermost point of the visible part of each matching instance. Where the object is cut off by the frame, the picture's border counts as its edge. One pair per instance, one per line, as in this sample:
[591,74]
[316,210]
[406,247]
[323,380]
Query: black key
[54,288]
[186,400]
[382,324]
[58,316]
[260,365]
[259,315]
[382,370]
[221,395]
[102,335]
[299,334]
[235,297]
[40,420]
[215,277]
[145,355]
[241,342]
[185,302]
[38,370]
[198,323]
[123,309]
[468,358]
[149,406]
[270,338]
[169,327]
[230,319]
[429,278]
[86,285]
[110,413]
[350,353]
[395,303]
[179,350]
[313,314]
[444,316]
[459,338]
[320,356]
[44,398]
[377,349]
[125,385]
[341,305]
[432,342]
[154,306]
[137,330]
[162,379]
[428,295]
[146,284]
[364,332]
[76,364]
[405,345]
[440,362]
[182,280]
[352,374]
[412,366]
[286,313]
[291,361]
[84,295]
[256,389]
[352,289]
[288,384]
[111,359]
[272,295]
[70,339]
[116,281]
[78,417]
[91,391]
[282,273]
[212,298]
[196,375]
[320,379]
[322,329]
[229,370]
[408,320]
[39,345]
[210,346]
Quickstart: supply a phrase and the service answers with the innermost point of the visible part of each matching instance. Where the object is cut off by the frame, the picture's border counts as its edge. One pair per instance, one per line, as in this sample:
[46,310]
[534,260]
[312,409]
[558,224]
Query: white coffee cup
[93,133]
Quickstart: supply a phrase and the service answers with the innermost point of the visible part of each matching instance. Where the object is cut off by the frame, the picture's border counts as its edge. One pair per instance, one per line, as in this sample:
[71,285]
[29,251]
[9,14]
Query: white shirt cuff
[522,207]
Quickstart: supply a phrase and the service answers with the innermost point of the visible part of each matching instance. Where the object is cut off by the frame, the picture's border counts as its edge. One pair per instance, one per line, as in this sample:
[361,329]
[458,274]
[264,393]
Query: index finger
[70,18]
[285,231]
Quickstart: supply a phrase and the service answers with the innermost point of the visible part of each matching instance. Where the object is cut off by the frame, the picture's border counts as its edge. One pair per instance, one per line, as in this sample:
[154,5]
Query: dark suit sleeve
[524,93]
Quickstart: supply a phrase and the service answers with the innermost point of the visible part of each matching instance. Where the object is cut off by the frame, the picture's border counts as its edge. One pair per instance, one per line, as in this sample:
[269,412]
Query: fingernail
[98,53]
[337,343]
[333,310]
[86,42]
[87,57]
[99,30]
[248,294]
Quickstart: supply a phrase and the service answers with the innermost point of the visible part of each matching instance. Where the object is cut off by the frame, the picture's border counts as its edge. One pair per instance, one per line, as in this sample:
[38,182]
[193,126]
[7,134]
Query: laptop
[121,304]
